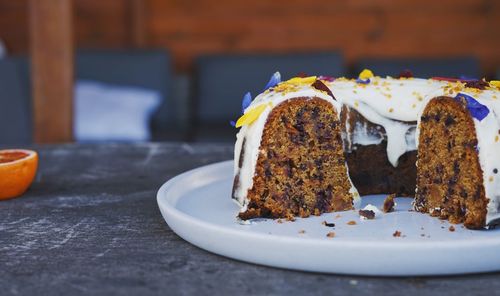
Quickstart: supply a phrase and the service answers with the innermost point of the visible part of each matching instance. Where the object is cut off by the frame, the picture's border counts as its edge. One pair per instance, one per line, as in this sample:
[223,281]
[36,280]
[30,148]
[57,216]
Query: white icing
[252,134]
[488,138]
[362,136]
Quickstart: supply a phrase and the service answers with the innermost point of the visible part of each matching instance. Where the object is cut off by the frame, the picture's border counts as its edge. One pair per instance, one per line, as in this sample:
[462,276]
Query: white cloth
[113,113]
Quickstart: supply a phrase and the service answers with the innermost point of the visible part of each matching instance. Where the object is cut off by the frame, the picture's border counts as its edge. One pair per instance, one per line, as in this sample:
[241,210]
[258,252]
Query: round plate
[197,206]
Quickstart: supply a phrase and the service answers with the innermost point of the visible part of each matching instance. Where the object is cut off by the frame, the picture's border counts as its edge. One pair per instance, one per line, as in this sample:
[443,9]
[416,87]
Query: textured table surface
[90,225]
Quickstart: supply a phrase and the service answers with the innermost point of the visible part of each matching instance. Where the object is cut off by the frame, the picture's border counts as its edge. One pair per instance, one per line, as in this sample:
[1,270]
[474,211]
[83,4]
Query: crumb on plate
[396,233]
[389,203]
[367,214]
[327,224]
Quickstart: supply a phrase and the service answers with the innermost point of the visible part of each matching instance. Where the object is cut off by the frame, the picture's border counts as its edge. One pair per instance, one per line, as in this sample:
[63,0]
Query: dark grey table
[90,225]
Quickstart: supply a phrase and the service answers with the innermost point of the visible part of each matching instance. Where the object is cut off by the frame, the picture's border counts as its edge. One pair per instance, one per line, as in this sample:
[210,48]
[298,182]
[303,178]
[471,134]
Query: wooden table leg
[51,37]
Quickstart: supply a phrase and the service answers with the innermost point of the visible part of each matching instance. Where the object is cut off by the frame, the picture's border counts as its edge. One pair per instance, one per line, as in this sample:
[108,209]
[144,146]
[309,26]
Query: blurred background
[176,70]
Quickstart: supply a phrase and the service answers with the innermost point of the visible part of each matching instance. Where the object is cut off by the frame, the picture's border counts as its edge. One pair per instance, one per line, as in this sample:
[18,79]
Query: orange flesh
[6,157]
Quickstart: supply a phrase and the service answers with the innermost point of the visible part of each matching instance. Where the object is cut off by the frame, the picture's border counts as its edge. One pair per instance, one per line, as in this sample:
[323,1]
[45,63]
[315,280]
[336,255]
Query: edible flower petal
[247,100]
[274,80]
[366,81]
[476,109]
[302,80]
[326,78]
[406,73]
[477,84]
[319,85]
[467,78]
[449,79]
[495,83]
[365,74]
[251,115]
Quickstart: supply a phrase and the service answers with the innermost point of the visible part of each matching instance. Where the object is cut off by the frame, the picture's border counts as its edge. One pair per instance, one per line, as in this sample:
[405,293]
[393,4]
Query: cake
[302,141]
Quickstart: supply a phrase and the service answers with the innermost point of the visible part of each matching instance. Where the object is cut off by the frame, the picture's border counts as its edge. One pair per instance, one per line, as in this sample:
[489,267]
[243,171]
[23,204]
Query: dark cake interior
[369,168]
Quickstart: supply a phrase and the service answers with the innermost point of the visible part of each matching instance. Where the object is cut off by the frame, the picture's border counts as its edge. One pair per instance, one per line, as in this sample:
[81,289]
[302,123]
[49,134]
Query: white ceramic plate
[197,206]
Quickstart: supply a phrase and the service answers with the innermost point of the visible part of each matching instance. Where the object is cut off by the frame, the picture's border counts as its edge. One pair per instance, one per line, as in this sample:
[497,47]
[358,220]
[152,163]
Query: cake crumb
[451,228]
[372,208]
[367,214]
[338,216]
[302,231]
[352,222]
[389,203]
[330,234]
[279,221]
[396,233]
[328,224]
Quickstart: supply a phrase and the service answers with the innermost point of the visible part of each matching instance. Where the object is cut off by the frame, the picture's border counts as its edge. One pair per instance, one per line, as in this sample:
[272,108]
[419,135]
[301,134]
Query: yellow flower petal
[302,80]
[365,74]
[251,115]
[495,83]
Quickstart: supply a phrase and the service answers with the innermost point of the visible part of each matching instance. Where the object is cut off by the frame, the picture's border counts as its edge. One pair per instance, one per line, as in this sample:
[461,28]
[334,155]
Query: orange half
[17,171]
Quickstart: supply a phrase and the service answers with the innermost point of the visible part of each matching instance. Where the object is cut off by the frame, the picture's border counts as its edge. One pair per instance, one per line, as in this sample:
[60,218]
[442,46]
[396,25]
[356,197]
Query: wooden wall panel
[360,28]
[102,23]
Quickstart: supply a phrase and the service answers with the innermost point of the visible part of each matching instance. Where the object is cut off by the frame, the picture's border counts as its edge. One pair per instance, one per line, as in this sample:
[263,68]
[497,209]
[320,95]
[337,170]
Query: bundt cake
[289,152]
[302,141]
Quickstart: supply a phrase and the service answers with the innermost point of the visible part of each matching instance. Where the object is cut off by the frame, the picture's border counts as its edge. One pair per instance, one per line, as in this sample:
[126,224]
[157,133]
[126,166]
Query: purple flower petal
[476,109]
[326,78]
[363,81]
[247,99]
[275,79]
[466,78]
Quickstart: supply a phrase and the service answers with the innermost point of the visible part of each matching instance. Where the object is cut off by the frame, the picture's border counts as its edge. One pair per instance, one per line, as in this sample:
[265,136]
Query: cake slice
[290,154]
[458,159]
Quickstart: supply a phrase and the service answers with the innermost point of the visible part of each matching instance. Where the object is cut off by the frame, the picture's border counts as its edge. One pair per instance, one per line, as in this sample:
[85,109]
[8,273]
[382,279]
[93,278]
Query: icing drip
[363,136]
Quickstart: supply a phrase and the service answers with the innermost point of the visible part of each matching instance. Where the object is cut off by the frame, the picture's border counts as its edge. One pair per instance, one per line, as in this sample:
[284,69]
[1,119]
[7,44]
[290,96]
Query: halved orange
[17,171]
